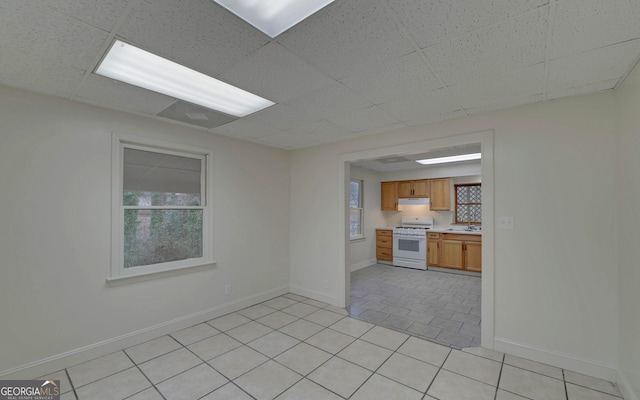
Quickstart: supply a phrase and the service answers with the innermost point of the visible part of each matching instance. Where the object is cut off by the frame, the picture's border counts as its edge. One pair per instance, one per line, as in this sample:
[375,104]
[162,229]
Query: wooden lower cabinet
[473,256]
[433,247]
[452,254]
[384,245]
[459,251]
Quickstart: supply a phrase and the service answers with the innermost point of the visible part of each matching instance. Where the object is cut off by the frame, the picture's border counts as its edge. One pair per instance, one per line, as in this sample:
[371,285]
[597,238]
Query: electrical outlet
[227,290]
[325,284]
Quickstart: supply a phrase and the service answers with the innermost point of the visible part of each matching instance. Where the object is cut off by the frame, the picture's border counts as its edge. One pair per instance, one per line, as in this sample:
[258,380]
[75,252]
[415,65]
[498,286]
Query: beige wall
[55,231]
[363,251]
[628,104]
[556,278]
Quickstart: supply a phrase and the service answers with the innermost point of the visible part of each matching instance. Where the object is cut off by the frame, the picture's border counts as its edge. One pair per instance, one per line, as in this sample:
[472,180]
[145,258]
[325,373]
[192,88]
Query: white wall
[363,251]
[556,278]
[628,99]
[55,158]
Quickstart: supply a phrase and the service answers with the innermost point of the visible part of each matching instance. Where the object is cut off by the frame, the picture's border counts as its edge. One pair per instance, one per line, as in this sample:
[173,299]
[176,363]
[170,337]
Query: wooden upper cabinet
[412,189]
[422,188]
[389,195]
[440,199]
[404,189]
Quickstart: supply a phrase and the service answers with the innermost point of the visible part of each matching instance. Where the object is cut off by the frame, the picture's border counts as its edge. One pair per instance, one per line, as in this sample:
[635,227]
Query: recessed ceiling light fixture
[273,16]
[442,160]
[138,67]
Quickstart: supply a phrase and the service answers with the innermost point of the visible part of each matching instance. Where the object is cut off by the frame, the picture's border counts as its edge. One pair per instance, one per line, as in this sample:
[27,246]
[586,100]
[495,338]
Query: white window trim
[361,208]
[118,273]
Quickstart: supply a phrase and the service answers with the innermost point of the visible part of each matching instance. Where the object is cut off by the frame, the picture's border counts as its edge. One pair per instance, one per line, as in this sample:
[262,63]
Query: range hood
[411,201]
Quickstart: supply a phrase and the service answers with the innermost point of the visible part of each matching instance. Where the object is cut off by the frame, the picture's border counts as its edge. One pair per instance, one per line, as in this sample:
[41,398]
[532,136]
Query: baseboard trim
[76,356]
[625,387]
[363,264]
[557,359]
[312,294]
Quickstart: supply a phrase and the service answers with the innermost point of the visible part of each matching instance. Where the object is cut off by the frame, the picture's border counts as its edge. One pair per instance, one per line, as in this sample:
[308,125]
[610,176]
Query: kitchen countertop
[454,229]
[442,229]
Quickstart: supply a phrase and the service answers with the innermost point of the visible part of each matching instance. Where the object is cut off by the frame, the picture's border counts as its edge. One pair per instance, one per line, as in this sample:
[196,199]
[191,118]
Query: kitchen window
[161,207]
[468,203]
[356,215]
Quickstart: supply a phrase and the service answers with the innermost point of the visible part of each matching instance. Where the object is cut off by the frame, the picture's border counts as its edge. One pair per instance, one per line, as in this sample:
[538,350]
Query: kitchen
[417,266]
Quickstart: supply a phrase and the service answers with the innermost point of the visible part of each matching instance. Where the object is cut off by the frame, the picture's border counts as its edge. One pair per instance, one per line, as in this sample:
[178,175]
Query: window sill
[125,280]
[358,238]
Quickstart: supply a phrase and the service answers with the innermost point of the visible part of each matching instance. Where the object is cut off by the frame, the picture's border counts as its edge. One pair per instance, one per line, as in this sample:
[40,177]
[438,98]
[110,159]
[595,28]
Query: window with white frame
[356,216]
[161,202]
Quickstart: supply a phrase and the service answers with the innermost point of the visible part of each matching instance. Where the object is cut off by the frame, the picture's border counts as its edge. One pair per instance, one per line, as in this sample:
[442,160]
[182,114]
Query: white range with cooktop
[410,242]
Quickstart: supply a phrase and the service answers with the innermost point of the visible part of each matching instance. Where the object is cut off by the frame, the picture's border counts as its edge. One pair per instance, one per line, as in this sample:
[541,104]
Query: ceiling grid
[355,68]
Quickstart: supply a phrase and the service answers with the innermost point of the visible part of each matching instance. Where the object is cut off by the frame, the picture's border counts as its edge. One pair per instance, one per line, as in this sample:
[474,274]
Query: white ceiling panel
[288,141]
[505,105]
[102,14]
[513,84]
[364,119]
[582,25]
[404,76]
[604,63]
[347,37]
[275,73]
[121,96]
[430,22]
[281,116]
[245,129]
[492,50]
[196,33]
[423,107]
[329,100]
[355,68]
[40,35]
[54,80]
[580,90]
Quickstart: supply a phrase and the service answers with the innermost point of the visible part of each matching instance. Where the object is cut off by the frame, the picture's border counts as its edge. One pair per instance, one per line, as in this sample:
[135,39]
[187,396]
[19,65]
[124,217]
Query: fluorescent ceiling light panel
[273,16]
[442,160]
[138,67]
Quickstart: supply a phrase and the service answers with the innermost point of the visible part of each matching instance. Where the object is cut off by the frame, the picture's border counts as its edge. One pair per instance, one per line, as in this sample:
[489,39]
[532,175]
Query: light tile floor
[438,306]
[294,348]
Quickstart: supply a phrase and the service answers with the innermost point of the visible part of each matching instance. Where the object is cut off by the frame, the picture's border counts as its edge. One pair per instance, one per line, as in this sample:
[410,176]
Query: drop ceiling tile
[430,22]
[514,84]
[245,129]
[584,89]
[425,107]
[505,105]
[36,34]
[287,141]
[364,119]
[403,76]
[602,64]
[281,117]
[321,128]
[198,33]
[331,99]
[348,36]
[102,14]
[275,73]
[97,89]
[491,51]
[53,80]
[581,25]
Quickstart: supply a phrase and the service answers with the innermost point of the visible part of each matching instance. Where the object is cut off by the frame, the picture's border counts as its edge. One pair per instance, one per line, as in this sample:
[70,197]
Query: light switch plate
[505,223]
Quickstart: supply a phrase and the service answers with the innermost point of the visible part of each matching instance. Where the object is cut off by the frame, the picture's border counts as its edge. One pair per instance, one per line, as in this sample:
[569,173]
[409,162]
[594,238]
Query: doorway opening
[354,166]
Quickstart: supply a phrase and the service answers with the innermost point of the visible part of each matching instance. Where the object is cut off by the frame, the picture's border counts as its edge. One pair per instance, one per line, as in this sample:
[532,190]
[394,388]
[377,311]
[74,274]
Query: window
[356,211]
[160,207]
[468,203]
